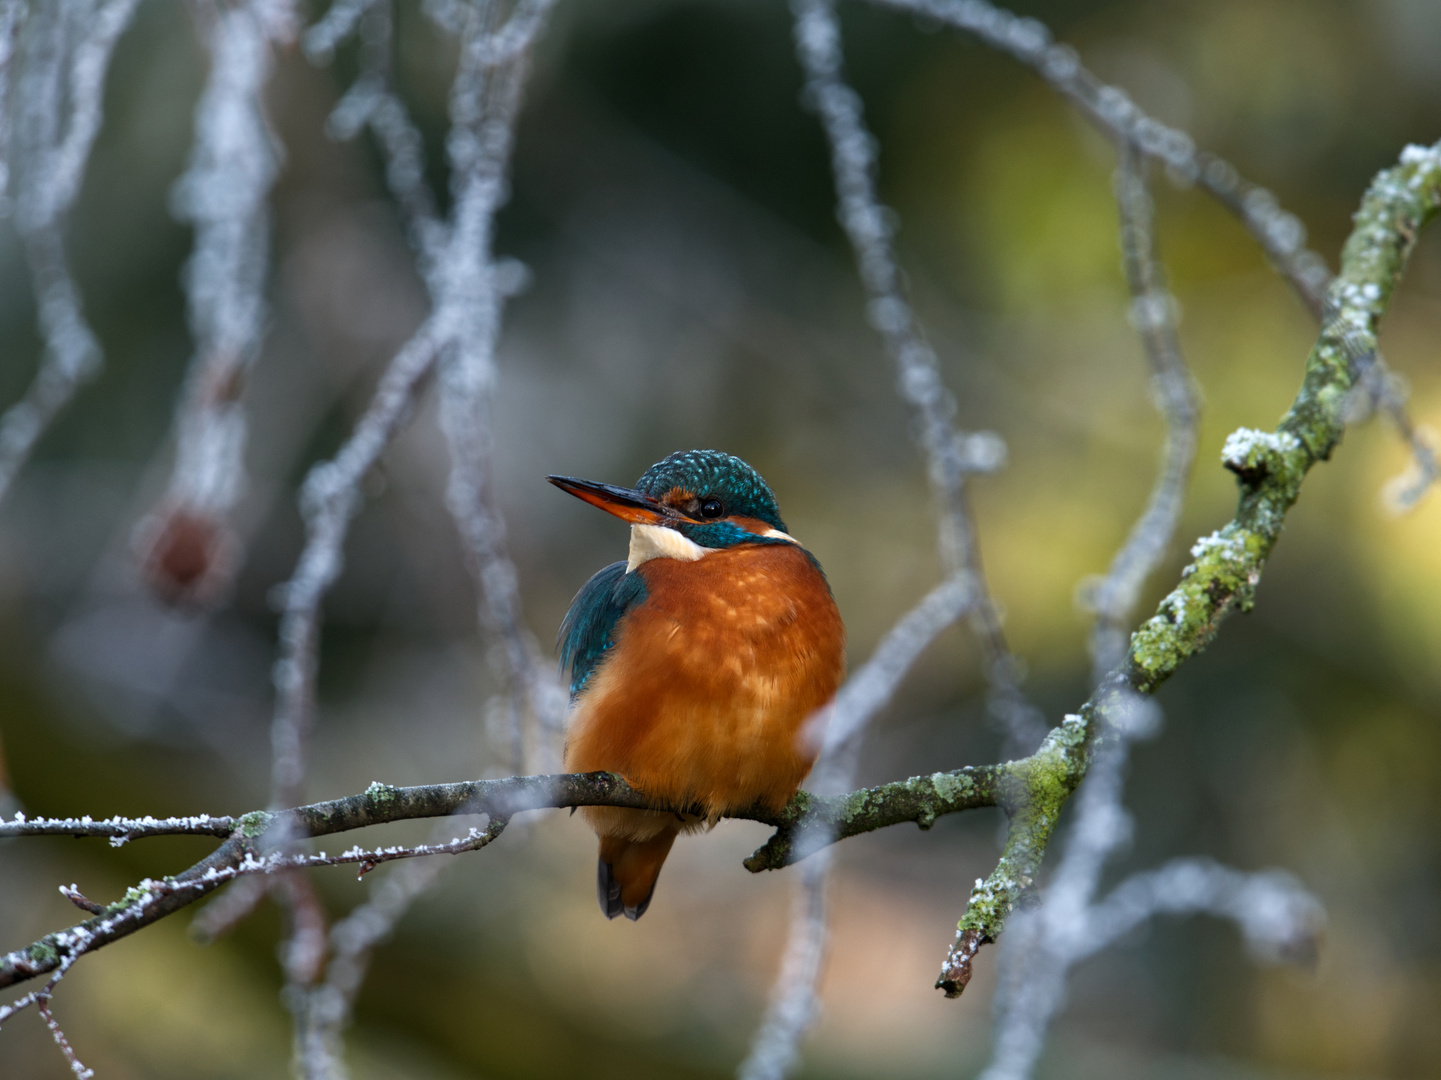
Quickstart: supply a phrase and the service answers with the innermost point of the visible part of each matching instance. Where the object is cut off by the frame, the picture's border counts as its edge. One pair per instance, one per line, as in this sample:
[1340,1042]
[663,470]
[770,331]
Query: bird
[694,662]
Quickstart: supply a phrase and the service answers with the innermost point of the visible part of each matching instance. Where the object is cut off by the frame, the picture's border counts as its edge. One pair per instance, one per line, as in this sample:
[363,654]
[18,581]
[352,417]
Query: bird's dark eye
[711,508]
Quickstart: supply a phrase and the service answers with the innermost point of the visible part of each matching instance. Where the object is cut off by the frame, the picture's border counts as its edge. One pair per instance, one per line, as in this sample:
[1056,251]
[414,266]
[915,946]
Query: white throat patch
[649,542]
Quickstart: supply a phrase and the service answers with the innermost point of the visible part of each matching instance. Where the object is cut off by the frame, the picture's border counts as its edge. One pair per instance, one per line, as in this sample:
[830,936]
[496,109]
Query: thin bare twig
[1153,313]
[57,109]
[187,544]
[323,1011]
[12,17]
[467,290]
[950,455]
[330,498]
[76,1065]
[371,101]
[474,285]
[793,1006]
[120,830]
[1281,234]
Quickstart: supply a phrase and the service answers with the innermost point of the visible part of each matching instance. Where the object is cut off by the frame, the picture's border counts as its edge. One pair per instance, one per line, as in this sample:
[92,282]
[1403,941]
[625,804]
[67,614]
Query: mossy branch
[1270,468]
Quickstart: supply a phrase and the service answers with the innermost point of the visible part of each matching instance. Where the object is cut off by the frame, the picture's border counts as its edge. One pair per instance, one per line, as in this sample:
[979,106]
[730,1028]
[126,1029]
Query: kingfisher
[694,662]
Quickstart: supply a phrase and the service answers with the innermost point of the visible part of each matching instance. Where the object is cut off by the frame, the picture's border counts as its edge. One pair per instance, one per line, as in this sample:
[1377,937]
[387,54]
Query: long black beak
[625,503]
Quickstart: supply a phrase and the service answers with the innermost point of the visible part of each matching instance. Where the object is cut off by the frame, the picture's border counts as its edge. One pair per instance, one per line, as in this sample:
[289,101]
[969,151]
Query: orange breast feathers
[702,697]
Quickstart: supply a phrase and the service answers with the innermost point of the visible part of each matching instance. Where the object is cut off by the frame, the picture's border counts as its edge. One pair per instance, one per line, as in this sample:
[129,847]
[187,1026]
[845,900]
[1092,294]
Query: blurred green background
[691,288]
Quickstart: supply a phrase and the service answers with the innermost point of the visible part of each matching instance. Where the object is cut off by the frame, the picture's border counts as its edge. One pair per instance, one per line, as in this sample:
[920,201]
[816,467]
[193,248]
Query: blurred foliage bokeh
[690,287]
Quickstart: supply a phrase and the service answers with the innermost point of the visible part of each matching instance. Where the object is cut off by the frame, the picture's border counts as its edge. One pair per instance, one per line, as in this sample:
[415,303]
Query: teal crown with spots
[711,474]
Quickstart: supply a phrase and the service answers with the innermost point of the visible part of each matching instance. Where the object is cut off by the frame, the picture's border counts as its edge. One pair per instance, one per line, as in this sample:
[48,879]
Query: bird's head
[688,503]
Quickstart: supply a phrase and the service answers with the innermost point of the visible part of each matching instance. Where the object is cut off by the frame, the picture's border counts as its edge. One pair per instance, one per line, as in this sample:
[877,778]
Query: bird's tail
[625,878]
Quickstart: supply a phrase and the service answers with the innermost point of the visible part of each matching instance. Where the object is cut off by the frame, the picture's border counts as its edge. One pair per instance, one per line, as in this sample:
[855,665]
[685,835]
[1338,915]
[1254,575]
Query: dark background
[691,288]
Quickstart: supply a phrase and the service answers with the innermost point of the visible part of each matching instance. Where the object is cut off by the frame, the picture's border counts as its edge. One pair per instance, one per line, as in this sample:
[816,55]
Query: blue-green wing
[588,630]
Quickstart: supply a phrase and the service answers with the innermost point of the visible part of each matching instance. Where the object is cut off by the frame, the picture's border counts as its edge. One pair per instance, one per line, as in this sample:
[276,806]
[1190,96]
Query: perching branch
[251,843]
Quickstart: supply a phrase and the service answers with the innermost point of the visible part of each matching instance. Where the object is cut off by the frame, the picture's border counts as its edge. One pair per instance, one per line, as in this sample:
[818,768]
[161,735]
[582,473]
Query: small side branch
[120,830]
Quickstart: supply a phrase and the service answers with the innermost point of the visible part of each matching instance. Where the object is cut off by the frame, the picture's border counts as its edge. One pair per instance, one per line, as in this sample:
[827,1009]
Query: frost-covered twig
[532,688]
[12,14]
[120,830]
[794,1004]
[467,290]
[41,1000]
[72,1059]
[1379,389]
[950,454]
[793,1007]
[469,282]
[1281,234]
[1043,946]
[372,102]
[1279,918]
[337,24]
[323,1011]
[56,108]
[241,857]
[1153,313]
[187,543]
[330,498]
[461,279]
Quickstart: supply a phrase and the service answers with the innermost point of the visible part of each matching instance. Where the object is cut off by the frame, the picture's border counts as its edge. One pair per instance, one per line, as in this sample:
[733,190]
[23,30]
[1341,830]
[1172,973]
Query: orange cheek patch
[752,525]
